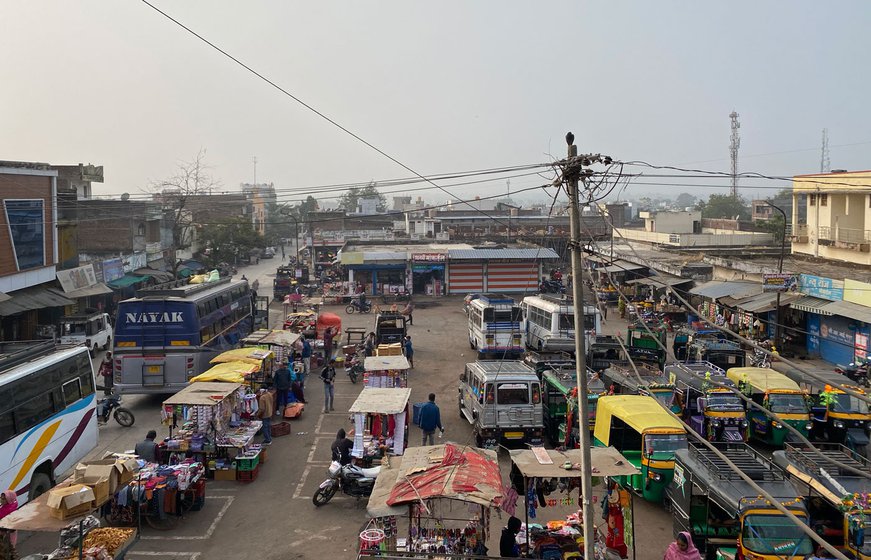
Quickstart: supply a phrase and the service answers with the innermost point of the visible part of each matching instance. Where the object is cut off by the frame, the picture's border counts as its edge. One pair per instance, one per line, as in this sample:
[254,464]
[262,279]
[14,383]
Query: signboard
[861,346]
[93,173]
[821,287]
[134,261]
[77,278]
[428,257]
[112,269]
[857,292]
[352,257]
[779,283]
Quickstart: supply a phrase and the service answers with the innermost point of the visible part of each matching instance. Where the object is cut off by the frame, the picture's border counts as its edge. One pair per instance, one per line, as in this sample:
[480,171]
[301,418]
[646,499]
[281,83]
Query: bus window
[71,391]
[33,412]
[513,393]
[7,427]
[489,315]
[566,321]
[86,382]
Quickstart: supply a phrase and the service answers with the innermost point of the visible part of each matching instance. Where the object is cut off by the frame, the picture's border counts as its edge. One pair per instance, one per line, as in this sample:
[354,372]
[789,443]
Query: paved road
[273,518]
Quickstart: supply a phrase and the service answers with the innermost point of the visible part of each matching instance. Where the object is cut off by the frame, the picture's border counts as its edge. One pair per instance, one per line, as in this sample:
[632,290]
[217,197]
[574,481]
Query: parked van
[502,401]
[89,329]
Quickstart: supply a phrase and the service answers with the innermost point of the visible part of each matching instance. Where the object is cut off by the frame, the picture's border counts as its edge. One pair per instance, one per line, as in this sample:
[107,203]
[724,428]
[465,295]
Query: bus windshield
[663,446]
[787,403]
[775,534]
[849,404]
[567,322]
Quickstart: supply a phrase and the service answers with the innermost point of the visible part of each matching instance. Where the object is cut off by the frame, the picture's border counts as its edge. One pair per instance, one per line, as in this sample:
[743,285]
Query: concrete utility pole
[571,176]
[733,152]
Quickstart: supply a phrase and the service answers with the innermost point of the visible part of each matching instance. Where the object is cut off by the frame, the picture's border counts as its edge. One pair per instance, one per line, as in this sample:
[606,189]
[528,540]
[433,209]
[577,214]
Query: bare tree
[180,196]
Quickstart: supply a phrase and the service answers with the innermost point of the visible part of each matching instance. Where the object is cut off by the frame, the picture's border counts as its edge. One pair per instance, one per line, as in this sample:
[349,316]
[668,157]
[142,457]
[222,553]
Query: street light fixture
[779,271]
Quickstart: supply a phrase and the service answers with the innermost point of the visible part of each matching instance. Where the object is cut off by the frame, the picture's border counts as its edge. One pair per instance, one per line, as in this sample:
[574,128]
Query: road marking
[311,454]
[321,536]
[209,531]
[319,422]
[298,491]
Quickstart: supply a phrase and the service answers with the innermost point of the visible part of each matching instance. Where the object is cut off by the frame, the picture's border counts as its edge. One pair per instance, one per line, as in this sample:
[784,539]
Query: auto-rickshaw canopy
[762,380]
[640,412]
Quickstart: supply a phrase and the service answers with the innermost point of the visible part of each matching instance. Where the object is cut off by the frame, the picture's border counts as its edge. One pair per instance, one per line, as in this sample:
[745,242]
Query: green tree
[229,241]
[685,200]
[348,201]
[724,206]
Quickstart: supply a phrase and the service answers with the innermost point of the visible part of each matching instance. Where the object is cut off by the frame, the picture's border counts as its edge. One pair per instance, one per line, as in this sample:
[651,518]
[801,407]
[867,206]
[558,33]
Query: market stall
[303,323]
[215,426]
[386,371]
[541,473]
[259,363]
[381,419]
[446,492]
[281,343]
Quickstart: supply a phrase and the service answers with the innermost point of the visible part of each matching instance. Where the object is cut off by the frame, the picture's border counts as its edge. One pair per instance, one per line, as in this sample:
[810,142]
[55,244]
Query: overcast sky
[441,86]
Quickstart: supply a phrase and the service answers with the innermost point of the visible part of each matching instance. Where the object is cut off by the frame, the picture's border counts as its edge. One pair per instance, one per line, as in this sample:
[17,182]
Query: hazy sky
[442,86]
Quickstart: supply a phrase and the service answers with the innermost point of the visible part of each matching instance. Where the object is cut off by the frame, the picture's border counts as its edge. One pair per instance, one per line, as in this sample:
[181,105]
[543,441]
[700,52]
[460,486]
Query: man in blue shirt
[306,360]
[430,419]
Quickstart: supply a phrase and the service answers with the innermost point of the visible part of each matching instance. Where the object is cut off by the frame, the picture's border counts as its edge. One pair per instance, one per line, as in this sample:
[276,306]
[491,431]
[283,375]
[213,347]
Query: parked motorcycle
[551,287]
[111,405]
[856,371]
[355,306]
[352,480]
[354,366]
[760,359]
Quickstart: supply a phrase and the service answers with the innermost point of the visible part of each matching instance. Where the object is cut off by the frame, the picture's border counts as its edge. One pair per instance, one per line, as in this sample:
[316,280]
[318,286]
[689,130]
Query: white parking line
[298,491]
[209,531]
[172,555]
[311,454]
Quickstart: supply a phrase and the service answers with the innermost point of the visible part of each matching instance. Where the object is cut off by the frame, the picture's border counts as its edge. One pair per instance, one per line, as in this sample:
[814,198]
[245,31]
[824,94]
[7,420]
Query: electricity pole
[571,175]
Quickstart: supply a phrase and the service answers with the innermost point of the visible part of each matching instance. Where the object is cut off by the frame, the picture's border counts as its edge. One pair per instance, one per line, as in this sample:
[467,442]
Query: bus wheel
[40,483]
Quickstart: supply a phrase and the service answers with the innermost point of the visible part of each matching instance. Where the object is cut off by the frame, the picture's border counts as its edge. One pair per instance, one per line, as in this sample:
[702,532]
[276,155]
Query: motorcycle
[352,480]
[354,364]
[355,306]
[760,359]
[551,287]
[856,371]
[111,405]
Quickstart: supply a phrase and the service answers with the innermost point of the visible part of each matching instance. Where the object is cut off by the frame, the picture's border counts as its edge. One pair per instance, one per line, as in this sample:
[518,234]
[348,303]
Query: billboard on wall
[821,287]
[857,292]
[77,278]
[112,269]
[779,283]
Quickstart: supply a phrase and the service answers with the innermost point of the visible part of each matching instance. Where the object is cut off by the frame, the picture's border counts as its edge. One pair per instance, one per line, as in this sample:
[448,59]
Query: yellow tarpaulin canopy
[248,355]
[227,372]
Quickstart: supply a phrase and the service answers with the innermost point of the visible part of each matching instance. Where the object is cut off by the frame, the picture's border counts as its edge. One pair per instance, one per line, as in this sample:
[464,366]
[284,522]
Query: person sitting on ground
[147,449]
[682,548]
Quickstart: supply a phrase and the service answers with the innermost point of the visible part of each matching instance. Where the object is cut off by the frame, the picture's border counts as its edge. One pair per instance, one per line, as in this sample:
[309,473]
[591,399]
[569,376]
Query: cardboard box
[225,474]
[70,501]
[104,469]
[100,487]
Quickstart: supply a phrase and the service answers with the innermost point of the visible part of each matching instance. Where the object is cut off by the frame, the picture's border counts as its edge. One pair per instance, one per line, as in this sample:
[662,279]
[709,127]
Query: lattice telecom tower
[825,162]
[733,151]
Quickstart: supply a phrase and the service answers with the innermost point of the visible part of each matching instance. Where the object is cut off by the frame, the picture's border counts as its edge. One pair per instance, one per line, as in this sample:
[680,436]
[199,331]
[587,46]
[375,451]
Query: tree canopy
[685,200]
[225,242]
[724,206]
[349,200]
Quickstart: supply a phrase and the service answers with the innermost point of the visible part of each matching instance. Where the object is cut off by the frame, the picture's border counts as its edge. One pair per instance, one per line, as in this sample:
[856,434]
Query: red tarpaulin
[462,473]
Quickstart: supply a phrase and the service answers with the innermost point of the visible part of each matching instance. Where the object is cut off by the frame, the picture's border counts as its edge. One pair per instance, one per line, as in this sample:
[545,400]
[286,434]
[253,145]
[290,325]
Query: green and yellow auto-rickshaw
[646,434]
[775,392]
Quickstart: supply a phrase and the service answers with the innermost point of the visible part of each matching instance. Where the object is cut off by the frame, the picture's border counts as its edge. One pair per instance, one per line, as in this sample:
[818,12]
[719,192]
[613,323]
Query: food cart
[533,472]
[216,428]
[380,422]
[386,371]
[444,492]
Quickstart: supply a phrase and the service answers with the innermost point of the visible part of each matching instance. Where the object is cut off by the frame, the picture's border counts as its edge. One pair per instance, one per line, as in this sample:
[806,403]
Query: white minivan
[89,329]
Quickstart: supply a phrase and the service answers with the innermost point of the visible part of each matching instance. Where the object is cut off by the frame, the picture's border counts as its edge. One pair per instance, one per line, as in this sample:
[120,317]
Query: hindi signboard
[779,282]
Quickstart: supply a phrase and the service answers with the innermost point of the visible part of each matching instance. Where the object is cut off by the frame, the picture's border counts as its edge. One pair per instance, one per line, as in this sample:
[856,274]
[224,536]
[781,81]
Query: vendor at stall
[341,448]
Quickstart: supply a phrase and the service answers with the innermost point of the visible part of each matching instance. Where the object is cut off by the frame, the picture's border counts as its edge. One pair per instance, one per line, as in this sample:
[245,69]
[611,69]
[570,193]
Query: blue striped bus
[168,333]
[495,326]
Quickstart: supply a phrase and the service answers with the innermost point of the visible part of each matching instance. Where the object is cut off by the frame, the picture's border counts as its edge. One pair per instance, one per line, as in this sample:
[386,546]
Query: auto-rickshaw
[837,416]
[775,392]
[646,434]
[560,397]
[707,402]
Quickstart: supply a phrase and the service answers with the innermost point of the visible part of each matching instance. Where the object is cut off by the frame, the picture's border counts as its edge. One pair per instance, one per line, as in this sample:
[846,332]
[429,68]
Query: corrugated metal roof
[716,289]
[34,297]
[811,304]
[850,310]
[484,254]
[660,281]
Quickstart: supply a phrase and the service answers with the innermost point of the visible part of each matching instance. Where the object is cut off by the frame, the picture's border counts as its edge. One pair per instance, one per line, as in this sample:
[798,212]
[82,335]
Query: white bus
[47,414]
[549,323]
[495,326]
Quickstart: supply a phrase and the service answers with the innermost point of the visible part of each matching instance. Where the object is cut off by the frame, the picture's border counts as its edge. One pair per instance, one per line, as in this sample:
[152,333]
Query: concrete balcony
[846,238]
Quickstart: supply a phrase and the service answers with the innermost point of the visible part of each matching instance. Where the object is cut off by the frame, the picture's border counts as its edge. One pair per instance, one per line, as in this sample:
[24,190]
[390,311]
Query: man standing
[306,354]
[328,345]
[147,449]
[265,410]
[281,379]
[430,419]
[409,351]
[106,373]
[408,311]
[328,376]
[369,346]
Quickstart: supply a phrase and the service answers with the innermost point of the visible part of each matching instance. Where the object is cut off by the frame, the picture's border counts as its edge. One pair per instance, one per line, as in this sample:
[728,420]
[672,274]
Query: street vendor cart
[262,360]
[380,422]
[444,492]
[280,342]
[216,426]
[543,474]
[386,371]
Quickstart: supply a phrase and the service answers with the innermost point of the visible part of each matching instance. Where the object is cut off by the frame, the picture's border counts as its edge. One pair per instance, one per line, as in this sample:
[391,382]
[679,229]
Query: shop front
[379,279]
[496,270]
[428,273]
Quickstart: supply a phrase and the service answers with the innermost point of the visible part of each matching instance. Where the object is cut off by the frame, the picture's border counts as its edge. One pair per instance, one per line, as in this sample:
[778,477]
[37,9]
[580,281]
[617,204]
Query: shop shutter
[465,277]
[512,277]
